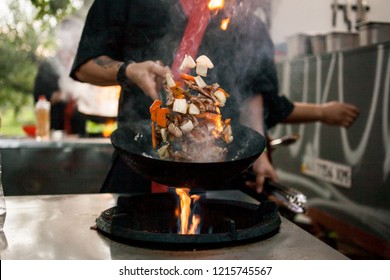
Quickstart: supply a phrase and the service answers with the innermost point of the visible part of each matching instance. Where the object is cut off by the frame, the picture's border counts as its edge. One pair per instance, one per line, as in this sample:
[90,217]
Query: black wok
[133,143]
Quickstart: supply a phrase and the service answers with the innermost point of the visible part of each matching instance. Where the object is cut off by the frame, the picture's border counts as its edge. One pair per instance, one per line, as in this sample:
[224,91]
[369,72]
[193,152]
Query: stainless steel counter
[58,227]
[71,141]
[72,165]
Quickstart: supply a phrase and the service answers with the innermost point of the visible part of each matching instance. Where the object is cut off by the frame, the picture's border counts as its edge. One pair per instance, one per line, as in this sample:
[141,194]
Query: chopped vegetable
[187,127]
[162,117]
[188,62]
[193,110]
[220,97]
[164,134]
[177,91]
[228,138]
[187,77]
[154,139]
[201,70]
[224,92]
[204,60]
[156,104]
[180,106]
[175,131]
[154,108]
[170,81]
[199,81]
[210,117]
[163,152]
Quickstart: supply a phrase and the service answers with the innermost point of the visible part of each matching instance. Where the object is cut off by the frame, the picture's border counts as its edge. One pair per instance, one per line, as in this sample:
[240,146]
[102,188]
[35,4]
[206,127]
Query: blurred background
[28,37]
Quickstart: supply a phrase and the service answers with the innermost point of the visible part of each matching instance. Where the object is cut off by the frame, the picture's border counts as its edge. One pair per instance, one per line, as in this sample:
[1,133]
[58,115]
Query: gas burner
[150,221]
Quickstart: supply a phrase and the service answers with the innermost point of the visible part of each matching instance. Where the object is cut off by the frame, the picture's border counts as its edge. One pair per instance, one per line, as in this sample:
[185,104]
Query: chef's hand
[148,76]
[337,113]
[263,169]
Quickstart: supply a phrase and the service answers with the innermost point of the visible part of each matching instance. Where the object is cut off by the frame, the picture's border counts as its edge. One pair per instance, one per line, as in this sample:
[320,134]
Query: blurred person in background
[278,109]
[52,79]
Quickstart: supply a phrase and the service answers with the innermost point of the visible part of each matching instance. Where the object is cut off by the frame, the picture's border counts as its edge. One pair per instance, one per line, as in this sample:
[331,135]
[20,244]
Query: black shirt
[46,83]
[142,30]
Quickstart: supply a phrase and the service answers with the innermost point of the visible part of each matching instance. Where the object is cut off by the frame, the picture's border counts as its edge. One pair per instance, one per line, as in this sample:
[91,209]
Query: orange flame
[225,24]
[215,5]
[184,212]
[218,123]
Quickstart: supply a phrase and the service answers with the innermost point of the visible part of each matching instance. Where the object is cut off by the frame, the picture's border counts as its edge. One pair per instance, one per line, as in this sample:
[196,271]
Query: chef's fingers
[148,76]
[160,79]
[350,119]
[352,109]
[159,69]
[254,186]
[348,122]
[160,73]
[260,183]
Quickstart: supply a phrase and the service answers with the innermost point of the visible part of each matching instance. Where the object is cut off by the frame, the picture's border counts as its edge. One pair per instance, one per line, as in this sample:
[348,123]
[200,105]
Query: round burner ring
[145,220]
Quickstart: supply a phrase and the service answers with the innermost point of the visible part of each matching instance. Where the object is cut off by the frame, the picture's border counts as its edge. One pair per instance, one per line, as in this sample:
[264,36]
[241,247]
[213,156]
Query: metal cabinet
[71,166]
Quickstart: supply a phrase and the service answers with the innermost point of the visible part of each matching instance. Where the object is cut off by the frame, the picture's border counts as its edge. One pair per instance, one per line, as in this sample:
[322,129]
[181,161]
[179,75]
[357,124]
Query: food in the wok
[189,126]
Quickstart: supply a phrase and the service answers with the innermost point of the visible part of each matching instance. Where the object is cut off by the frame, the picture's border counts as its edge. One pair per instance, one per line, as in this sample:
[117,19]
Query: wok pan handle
[284,196]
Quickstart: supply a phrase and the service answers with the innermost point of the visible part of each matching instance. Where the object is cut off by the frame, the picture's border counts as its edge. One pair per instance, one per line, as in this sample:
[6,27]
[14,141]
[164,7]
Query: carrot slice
[153,115]
[154,108]
[162,117]
[187,77]
[156,104]
[209,116]
[154,139]
[178,92]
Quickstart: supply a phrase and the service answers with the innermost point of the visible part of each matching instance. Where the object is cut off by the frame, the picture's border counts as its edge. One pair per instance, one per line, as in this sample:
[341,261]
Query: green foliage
[18,60]
[56,8]
[26,38]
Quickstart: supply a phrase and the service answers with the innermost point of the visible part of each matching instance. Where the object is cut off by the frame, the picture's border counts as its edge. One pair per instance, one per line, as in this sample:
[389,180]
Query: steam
[91,99]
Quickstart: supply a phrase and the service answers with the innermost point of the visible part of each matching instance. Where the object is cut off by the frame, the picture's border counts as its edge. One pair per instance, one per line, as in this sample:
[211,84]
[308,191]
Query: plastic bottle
[42,117]
[3,208]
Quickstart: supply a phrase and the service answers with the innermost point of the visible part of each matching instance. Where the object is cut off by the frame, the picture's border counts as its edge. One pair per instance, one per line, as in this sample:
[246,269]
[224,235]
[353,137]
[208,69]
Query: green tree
[26,38]
[56,8]
[18,60]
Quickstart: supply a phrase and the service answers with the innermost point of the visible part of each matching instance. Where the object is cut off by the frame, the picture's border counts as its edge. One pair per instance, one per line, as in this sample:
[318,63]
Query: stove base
[149,221]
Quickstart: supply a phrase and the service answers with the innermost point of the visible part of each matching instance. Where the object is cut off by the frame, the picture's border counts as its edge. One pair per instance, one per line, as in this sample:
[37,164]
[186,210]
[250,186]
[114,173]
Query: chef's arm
[103,71]
[252,113]
[252,116]
[332,113]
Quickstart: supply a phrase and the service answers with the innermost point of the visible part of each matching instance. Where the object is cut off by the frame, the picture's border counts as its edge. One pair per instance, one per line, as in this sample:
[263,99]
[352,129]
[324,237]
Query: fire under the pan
[153,220]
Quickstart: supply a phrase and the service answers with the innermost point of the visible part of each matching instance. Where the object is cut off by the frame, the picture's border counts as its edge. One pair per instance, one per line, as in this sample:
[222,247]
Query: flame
[184,212]
[218,126]
[215,5]
[225,24]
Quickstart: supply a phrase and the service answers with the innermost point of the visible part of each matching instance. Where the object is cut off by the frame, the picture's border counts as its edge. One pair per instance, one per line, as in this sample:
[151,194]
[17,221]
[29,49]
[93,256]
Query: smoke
[68,34]
[90,99]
